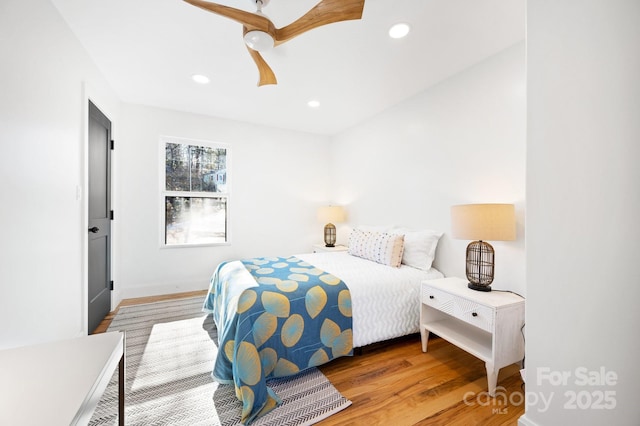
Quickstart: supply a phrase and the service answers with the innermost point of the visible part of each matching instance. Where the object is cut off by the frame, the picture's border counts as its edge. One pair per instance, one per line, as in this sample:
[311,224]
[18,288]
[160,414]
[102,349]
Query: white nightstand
[488,325]
[317,248]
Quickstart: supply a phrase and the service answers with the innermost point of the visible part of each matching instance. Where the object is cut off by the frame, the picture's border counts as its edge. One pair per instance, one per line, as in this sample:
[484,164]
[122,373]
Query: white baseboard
[524,421]
[133,292]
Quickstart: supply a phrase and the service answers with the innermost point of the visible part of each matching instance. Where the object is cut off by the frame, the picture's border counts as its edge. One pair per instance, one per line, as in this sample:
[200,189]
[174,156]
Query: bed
[336,301]
[384,299]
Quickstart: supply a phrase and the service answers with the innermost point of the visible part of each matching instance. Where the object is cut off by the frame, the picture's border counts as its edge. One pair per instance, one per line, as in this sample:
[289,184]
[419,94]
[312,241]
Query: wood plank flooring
[399,385]
[395,383]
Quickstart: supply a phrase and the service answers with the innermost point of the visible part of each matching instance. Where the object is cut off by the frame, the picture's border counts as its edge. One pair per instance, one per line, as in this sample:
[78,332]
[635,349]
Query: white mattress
[385,301]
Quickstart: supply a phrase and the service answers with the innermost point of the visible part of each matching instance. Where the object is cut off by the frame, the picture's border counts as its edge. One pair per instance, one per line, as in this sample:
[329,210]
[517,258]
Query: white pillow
[419,247]
[379,247]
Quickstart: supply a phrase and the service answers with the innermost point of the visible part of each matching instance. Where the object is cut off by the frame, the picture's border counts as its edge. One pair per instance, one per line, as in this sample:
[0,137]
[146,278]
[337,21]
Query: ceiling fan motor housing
[259,40]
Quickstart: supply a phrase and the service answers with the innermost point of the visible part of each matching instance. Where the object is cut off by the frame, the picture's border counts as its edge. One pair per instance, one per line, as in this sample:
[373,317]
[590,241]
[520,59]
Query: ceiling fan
[260,34]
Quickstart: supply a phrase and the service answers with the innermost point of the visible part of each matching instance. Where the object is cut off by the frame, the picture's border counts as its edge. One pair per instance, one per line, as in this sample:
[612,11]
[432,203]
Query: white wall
[583,197]
[45,77]
[278,180]
[462,141]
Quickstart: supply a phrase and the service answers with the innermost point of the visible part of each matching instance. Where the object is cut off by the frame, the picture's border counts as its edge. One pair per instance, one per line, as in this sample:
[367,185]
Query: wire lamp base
[480,265]
[330,235]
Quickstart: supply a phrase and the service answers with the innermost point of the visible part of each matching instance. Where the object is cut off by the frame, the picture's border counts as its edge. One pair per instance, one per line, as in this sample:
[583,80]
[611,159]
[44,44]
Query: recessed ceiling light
[399,30]
[313,103]
[199,78]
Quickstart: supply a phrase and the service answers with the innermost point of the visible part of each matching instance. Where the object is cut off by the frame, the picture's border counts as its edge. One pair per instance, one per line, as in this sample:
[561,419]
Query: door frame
[82,194]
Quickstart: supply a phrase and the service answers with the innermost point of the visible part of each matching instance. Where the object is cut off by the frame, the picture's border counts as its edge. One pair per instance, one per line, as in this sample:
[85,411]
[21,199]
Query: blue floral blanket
[275,317]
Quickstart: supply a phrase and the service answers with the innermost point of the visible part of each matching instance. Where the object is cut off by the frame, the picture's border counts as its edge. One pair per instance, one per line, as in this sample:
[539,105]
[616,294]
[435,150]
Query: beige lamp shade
[332,214]
[483,222]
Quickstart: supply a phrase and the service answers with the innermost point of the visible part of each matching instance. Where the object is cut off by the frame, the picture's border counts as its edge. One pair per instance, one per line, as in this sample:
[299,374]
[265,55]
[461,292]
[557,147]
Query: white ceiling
[148,50]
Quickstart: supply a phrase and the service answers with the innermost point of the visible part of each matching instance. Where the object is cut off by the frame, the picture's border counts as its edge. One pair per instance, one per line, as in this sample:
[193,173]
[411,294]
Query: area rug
[170,351]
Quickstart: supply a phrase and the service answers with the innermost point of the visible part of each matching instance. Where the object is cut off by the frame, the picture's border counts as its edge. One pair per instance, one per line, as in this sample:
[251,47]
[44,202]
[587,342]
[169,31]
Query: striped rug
[170,349]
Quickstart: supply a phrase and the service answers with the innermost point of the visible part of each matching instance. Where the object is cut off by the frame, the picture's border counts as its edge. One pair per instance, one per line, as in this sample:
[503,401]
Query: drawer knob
[431,297]
[474,314]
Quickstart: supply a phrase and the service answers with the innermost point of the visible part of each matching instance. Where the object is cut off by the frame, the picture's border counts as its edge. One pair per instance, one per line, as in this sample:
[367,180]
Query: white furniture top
[321,247]
[458,286]
[57,383]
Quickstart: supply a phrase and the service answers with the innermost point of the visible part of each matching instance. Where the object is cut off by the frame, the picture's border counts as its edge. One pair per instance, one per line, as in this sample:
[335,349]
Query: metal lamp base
[479,287]
[330,235]
[480,265]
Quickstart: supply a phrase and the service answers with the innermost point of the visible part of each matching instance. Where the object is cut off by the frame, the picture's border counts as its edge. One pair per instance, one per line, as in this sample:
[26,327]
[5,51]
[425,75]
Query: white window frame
[164,193]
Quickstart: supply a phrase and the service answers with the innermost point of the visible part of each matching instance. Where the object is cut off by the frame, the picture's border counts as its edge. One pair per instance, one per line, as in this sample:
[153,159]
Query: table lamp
[480,222]
[331,214]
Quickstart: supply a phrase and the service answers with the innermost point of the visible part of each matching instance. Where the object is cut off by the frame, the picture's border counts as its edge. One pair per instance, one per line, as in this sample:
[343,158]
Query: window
[195,192]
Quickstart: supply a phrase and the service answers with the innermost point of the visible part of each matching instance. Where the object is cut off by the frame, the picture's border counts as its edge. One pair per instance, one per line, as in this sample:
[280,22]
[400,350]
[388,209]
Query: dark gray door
[99,194]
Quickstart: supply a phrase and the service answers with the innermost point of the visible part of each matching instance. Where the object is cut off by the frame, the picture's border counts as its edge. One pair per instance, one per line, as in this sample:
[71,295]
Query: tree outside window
[195,193]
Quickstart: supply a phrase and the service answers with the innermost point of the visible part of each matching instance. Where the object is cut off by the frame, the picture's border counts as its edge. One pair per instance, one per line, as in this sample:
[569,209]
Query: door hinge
[111,285]
[112,144]
[111,215]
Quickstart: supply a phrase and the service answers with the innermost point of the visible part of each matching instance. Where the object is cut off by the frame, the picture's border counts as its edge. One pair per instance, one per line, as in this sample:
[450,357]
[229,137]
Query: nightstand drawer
[473,313]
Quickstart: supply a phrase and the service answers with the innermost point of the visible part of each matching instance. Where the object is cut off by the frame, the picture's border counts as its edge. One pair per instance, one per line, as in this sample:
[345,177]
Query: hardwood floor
[395,383]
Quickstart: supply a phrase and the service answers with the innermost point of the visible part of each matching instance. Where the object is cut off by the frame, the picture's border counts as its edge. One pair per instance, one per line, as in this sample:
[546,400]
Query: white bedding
[385,301]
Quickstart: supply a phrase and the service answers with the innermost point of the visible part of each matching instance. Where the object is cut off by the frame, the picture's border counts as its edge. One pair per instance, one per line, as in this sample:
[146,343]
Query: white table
[488,325]
[61,382]
[318,248]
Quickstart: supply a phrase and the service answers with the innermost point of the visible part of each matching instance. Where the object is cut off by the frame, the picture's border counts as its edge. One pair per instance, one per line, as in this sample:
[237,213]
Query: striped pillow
[379,247]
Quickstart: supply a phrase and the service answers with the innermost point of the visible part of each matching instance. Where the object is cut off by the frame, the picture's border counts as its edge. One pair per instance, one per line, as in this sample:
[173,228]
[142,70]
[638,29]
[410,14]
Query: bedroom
[42,108]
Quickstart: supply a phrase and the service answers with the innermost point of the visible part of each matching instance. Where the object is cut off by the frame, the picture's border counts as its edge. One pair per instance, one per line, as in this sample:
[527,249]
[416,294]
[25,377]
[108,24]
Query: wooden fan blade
[250,20]
[325,12]
[266,73]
